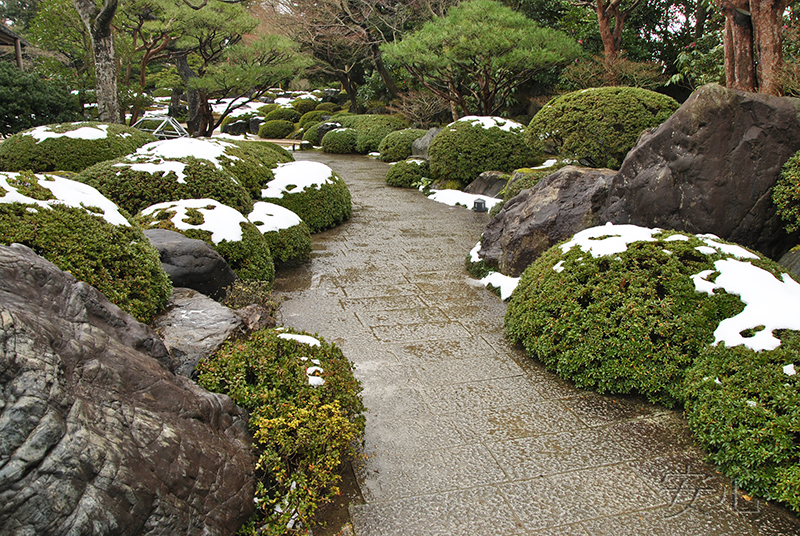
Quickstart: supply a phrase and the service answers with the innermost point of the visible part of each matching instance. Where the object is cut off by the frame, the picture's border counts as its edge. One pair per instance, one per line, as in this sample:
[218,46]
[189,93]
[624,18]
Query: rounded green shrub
[311,135]
[786,193]
[312,117]
[327,106]
[267,108]
[304,106]
[69,146]
[277,129]
[284,114]
[312,191]
[306,415]
[597,127]
[84,234]
[396,145]
[627,319]
[237,240]
[162,92]
[468,147]
[371,129]
[288,236]
[406,173]
[233,118]
[340,141]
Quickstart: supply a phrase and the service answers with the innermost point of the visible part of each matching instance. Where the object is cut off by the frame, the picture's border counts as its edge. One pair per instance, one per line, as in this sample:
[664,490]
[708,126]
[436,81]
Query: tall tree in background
[98,22]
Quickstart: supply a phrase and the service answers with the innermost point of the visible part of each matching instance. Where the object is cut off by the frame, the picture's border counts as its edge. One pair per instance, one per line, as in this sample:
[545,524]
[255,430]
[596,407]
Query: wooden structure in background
[9,38]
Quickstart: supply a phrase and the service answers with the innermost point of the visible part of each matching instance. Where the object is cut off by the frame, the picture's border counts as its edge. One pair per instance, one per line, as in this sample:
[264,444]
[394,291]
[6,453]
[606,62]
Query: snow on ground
[546,164]
[95,132]
[205,149]
[222,221]
[505,283]
[295,177]
[489,121]
[457,197]
[269,217]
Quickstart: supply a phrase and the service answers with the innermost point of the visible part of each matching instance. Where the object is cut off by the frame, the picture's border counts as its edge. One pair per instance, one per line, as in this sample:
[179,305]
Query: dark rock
[266,100]
[791,261]
[237,128]
[256,317]
[710,168]
[192,263]
[193,327]
[488,183]
[324,128]
[558,206]
[96,436]
[255,124]
[419,147]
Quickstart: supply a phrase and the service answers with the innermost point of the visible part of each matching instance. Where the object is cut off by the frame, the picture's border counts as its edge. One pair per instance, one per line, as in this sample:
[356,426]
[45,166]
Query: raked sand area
[465,434]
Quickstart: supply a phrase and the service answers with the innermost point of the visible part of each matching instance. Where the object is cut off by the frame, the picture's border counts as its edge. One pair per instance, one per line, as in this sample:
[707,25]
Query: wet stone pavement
[465,434]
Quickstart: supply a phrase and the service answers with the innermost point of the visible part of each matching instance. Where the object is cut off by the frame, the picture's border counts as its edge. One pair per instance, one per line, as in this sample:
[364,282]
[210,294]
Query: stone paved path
[465,435]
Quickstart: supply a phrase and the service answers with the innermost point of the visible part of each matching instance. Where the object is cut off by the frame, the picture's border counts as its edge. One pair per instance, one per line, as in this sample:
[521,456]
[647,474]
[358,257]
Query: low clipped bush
[304,106]
[340,141]
[468,147]
[277,129]
[86,236]
[407,173]
[306,415]
[237,240]
[312,117]
[786,193]
[327,106]
[284,114]
[311,135]
[312,191]
[267,108]
[396,145]
[370,129]
[597,127]
[288,236]
[69,146]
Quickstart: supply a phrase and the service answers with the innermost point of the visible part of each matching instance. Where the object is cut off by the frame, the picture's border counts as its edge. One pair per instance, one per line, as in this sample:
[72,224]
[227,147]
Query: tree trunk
[766,17]
[700,15]
[739,62]
[610,49]
[386,76]
[192,97]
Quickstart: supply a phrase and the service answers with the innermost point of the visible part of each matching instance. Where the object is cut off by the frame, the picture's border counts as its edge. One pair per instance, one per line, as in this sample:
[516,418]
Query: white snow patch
[730,249]
[490,121]
[457,197]
[295,177]
[97,132]
[222,221]
[769,302]
[269,217]
[303,339]
[752,403]
[706,250]
[546,164]
[473,253]
[789,369]
[505,283]
[207,149]
[676,238]
[609,239]
[313,379]
[558,267]
[164,166]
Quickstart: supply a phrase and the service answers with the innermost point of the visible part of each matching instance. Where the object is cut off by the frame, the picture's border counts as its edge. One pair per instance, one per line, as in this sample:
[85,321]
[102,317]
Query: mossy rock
[627,319]
[285,114]
[406,173]
[288,236]
[69,146]
[303,106]
[84,234]
[468,147]
[340,141]
[277,129]
[312,191]
[396,146]
[237,240]
[597,127]
[786,193]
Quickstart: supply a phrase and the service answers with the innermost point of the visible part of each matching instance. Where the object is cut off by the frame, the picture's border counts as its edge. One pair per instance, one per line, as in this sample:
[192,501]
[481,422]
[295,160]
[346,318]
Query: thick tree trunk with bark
[609,11]
[739,61]
[766,15]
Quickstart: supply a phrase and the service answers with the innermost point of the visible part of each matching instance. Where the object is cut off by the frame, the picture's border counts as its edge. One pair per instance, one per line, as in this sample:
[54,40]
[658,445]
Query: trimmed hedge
[313,117]
[288,236]
[396,146]
[406,173]
[267,108]
[116,259]
[302,431]
[786,193]
[284,114]
[370,128]
[92,143]
[597,127]
[465,149]
[277,129]
[340,141]
[311,135]
[327,106]
[303,106]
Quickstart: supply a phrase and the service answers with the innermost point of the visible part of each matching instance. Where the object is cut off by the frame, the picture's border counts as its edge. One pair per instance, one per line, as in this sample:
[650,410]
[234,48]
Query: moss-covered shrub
[312,191]
[327,106]
[597,127]
[311,135]
[396,145]
[69,146]
[312,117]
[84,234]
[284,114]
[370,128]
[267,108]
[340,141]
[303,106]
[237,240]
[786,193]
[244,117]
[288,236]
[277,129]
[468,147]
[162,92]
[407,173]
[626,321]
[306,414]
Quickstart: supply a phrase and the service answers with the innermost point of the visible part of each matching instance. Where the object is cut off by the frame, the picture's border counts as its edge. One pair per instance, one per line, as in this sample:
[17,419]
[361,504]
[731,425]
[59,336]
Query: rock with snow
[191,263]
[255,124]
[96,435]
[558,206]
[710,168]
[488,183]
[237,128]
[419,147]
[791,261]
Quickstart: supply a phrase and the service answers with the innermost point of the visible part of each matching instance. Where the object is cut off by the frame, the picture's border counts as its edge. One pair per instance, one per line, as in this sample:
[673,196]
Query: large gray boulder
[420,146]
[191,263]
[96,435]
[488,183]
[558,206]
[710,168]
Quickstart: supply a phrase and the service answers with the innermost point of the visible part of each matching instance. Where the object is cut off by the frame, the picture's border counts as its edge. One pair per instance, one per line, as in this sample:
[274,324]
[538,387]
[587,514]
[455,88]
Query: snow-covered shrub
[288,236]
[396,145]
[237,240]
[79,230]
[340,141]
[466,148]
[304,106]
[312,191]
[622,309]
[306,415]
[786,193]
[597,127]
[285,114]
[406,173]
[276,129]
[69,146]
